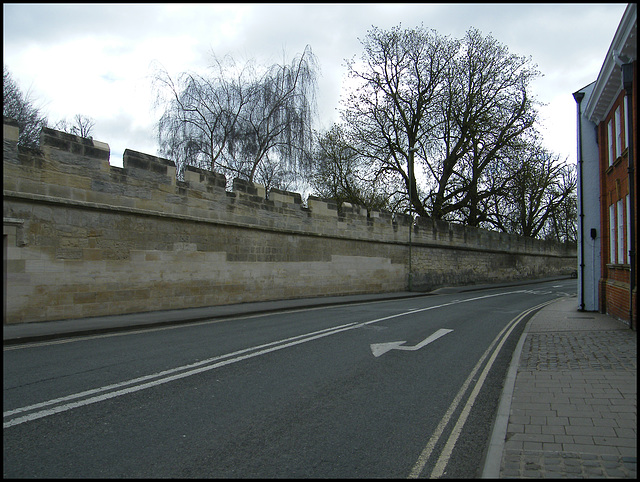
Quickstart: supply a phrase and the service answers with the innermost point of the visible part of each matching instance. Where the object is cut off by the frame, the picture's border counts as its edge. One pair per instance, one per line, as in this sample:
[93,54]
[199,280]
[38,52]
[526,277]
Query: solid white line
[445,455]
[188,325]
[161,374]
[493,459]
[455,302]
[118,393]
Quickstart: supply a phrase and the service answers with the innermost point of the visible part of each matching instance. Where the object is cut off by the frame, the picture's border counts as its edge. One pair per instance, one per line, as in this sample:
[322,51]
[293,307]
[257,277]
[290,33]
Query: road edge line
[426,453]
[493,459]
[445,456]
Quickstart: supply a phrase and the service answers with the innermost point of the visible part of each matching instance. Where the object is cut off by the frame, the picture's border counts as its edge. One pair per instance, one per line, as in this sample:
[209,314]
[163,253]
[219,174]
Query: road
[397,389]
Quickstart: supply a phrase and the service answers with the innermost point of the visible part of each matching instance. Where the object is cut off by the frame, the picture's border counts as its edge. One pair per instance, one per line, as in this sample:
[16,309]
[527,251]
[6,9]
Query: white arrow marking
[381,348]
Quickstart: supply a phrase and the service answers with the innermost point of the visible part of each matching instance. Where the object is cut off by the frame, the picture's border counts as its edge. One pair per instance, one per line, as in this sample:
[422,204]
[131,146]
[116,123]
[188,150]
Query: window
[626,131]
[612,234]
[621,256]
[618,127]
[612,156]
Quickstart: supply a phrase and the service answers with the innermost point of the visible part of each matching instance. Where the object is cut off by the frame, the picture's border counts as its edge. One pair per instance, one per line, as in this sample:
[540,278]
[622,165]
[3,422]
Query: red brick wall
[614,186]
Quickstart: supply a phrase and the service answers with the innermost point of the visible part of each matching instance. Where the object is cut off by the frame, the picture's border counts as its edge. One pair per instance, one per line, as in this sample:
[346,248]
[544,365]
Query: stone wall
[83,238]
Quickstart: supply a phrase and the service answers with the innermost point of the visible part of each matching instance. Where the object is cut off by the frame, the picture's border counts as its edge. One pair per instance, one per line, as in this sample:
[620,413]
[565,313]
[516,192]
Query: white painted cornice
[609,82]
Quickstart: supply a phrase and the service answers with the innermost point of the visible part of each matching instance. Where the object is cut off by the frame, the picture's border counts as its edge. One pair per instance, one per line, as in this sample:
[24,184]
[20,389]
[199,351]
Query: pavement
[569,402]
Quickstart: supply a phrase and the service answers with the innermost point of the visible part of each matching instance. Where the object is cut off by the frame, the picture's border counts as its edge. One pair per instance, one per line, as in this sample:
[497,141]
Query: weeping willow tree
[242,121]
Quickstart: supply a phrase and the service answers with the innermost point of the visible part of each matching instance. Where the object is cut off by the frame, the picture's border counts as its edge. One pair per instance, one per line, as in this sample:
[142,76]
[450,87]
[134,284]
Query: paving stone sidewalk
[574,406]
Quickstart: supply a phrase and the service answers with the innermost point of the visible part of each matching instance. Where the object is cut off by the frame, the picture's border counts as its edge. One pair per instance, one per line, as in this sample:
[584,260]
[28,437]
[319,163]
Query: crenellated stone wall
[83,238]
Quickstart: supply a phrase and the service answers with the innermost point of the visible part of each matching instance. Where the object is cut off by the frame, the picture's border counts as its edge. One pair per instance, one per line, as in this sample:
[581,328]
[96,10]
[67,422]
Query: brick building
[607,192]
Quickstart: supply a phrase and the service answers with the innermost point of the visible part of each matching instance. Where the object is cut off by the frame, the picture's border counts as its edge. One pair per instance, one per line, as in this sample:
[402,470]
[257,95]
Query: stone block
[320,207]
[10,131]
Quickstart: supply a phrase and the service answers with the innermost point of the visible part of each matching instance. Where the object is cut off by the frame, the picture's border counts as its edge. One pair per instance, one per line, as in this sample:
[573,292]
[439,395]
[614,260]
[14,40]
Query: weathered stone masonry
[83,238]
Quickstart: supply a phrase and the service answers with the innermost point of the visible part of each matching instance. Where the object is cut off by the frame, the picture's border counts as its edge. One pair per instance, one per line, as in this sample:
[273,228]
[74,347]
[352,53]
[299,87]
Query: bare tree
[31,120]
[82,126]
[540,199]
[278,122]
[391,110]
[198,124]
[486,109]
[22,109]
[563,224]
[338,173]
[458,104]
[239,122]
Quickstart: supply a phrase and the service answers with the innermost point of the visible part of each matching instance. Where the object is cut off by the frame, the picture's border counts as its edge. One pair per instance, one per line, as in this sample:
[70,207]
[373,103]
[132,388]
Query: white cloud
[97,60]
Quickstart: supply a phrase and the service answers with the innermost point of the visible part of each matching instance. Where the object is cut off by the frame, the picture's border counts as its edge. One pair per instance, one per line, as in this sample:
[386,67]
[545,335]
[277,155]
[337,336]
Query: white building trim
[589,236]
[609,82]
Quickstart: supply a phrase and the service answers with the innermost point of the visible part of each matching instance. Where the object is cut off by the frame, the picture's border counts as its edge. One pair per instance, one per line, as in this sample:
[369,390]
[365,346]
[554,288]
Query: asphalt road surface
[394,389]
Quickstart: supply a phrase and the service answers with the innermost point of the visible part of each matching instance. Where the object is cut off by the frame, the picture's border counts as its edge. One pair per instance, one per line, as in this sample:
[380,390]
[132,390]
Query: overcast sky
[97,60]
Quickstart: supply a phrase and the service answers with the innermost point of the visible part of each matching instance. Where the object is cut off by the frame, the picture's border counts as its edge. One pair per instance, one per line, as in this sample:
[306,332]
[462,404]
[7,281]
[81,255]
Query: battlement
[50,138]
[76,170]
[84,238]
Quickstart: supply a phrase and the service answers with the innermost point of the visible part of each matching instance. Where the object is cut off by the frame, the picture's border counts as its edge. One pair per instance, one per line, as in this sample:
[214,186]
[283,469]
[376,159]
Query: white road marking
[381,348]
[445,455]
[166,376]
[443,460]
